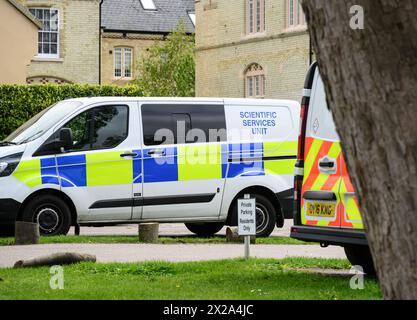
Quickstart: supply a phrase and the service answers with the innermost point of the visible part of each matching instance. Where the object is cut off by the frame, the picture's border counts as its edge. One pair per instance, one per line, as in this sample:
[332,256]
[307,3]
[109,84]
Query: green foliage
[161,240]
[19,103]
[221,280]
[167,69]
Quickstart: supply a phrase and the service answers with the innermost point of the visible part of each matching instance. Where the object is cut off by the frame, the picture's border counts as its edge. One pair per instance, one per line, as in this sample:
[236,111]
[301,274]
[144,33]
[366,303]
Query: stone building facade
[129,27]
[68,44]
[99,41]
[251,48]
[116,43]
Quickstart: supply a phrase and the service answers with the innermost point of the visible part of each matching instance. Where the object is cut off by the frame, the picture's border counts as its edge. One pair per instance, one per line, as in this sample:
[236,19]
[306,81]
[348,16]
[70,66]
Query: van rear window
[321,122]
[178,124]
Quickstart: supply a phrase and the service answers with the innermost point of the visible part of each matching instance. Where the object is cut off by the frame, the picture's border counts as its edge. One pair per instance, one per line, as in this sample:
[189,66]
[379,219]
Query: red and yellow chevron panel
[347,213]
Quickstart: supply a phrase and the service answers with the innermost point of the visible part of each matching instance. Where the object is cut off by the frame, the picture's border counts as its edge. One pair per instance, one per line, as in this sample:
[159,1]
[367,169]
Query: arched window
[254,81]
[255,16]
[46,80]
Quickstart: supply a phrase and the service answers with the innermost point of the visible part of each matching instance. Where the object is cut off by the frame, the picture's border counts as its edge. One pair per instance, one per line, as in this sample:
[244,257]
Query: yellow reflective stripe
[280,148]
[312,154]
[351,210]
[108,168]
[199,162]
[279,167]
[29,172]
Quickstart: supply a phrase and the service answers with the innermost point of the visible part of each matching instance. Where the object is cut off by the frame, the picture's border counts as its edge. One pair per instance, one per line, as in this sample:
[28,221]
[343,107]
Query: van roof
[231,101]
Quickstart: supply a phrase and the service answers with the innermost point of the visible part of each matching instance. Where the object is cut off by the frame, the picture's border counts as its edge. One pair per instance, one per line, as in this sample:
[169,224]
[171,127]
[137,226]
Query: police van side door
[97,172]
[320,199]
[182,180]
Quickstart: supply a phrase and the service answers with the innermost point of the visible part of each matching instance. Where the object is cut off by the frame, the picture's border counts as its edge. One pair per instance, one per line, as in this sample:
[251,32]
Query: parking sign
[246,217]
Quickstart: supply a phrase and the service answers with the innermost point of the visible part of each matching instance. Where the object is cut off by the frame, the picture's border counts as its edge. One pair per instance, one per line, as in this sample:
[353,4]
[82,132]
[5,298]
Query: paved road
[169,252]
[165,229]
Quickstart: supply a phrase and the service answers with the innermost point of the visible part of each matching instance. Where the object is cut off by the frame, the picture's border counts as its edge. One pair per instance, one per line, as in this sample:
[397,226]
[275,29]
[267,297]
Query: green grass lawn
[162,240]
[226,279]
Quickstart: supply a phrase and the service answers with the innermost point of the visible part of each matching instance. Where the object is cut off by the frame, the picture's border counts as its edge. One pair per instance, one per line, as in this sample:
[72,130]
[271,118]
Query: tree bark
[56,259]
[26,233]
[148,232]
[370,77]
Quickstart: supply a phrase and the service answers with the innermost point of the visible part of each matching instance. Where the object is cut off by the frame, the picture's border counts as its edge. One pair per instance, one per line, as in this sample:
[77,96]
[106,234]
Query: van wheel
[361,256]
[204,229]
[266,215]
[51,213]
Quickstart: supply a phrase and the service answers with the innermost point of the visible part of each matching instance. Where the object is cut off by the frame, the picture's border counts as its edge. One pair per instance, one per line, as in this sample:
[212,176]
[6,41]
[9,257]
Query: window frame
[253,7]
[146,7]
[254,80]
[294,15]
[192,16]
[123,63]
[58,47]
[92,109]
[182,110]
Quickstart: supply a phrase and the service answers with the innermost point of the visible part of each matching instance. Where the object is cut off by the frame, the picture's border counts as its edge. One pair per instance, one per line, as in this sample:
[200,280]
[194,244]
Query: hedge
[18,103]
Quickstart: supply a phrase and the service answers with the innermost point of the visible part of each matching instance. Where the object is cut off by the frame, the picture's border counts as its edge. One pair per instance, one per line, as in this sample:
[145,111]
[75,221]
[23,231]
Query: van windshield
[42,122]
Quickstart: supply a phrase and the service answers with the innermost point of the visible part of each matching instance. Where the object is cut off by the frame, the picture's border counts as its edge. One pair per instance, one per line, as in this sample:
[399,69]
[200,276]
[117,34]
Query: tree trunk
[56,259]
[26,233]
[370,77]
[148,232]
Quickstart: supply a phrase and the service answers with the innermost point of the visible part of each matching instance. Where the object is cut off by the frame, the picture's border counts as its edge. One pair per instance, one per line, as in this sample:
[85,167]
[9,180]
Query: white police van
[101,161]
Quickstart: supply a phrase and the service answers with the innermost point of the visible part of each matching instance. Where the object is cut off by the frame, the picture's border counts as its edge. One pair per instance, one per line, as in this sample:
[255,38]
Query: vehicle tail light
[303,126]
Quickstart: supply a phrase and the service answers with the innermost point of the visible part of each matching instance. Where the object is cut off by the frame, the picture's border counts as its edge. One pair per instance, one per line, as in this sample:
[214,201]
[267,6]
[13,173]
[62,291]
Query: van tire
[265,212]
[361,256]
[51,212]
[205,229]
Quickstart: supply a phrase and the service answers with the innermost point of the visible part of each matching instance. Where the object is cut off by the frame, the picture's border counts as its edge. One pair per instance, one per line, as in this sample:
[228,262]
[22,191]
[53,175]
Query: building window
[255,16]
[123,63]
[254,81]
[203,118]
[295,14]
[192,17]
[48,37]
[148,4]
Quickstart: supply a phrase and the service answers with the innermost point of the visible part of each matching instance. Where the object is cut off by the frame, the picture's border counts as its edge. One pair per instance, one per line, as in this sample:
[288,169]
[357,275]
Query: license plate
[319,209]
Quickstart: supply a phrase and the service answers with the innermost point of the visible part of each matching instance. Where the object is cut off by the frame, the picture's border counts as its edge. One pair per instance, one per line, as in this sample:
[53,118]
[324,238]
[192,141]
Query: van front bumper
[9,209]
[329,236]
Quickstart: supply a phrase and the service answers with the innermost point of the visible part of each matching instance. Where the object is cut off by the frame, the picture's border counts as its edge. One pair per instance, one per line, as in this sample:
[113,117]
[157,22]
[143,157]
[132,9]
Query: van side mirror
[65,138]
[57,143]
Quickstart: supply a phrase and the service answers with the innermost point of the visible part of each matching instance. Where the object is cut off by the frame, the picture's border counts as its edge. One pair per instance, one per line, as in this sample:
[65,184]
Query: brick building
[99,41]
[68,44]
[129,27]
[251,48]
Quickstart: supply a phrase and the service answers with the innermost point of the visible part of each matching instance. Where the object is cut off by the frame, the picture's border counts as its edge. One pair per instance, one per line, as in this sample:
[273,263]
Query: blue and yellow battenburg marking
[180,163]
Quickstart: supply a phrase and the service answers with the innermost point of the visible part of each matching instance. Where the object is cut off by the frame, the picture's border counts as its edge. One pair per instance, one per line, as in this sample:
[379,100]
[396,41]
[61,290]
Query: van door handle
[326,164]
[129,154]
[156,152]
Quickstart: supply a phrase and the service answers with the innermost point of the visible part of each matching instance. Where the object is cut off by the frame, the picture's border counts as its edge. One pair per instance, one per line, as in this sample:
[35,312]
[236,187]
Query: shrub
[167,69]
[19,103]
